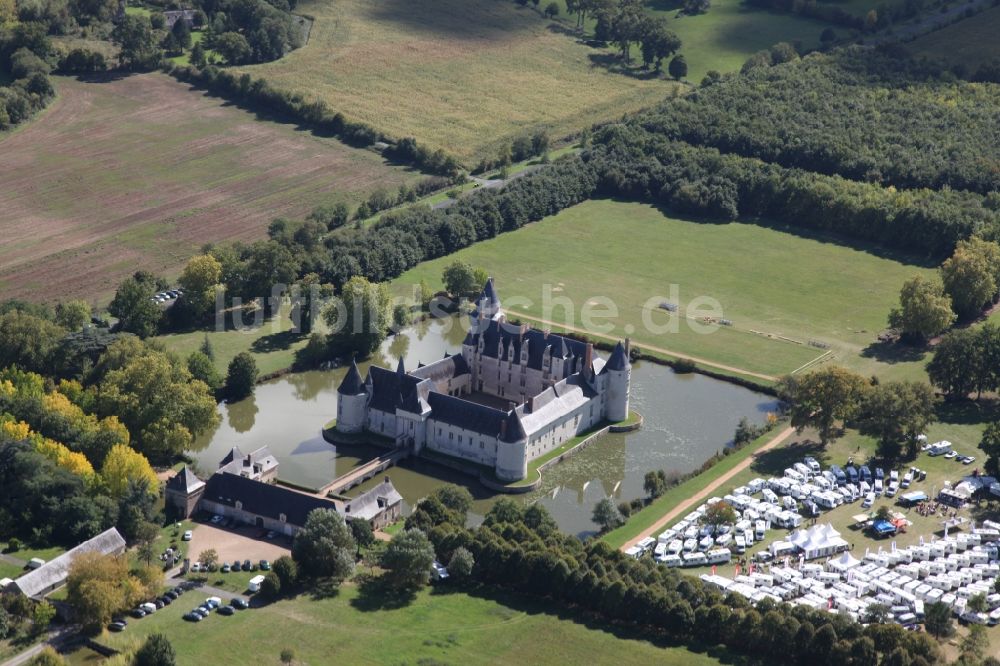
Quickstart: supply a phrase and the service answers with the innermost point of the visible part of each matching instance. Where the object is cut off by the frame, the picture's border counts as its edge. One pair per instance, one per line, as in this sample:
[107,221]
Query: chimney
[531,404]
[386,478]
[588,359]
[628,346]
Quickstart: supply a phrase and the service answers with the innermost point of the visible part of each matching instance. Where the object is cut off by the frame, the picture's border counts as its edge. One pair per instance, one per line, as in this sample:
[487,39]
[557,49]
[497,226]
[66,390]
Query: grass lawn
[454,628]
[273,344]
[459,75]
[771,281]
[969,42]
[8,570]
[730,32]
[46,554]
[185,58]
[140,171]
[234,581]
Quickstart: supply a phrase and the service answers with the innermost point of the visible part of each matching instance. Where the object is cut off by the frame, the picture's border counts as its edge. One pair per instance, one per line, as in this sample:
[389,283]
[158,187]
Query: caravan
[939,448]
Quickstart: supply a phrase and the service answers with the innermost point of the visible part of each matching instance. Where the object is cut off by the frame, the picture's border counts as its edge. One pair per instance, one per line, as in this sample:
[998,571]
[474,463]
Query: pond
[688,418]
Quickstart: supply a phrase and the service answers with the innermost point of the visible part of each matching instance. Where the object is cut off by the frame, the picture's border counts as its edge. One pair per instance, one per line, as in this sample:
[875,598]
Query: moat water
[688,418]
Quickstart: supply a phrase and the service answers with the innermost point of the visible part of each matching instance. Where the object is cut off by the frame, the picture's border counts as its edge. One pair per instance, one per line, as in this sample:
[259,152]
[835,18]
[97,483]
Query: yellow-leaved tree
[124,465]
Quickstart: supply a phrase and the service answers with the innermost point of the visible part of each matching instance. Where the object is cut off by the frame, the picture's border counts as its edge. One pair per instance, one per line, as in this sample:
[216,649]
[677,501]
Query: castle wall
[351,412]
[461,443]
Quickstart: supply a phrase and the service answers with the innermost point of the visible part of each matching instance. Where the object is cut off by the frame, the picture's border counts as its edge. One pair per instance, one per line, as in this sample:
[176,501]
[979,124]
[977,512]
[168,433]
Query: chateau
[512,395]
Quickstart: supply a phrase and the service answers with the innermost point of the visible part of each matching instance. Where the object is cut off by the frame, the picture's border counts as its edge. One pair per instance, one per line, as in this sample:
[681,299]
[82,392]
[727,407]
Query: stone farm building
[243,487]
[512,395]
[51,575]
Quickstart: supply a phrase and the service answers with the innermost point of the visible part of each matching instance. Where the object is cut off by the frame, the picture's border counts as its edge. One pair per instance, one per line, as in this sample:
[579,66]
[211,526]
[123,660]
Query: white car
[968,460]
[951,454]
[869,501]
[187,536]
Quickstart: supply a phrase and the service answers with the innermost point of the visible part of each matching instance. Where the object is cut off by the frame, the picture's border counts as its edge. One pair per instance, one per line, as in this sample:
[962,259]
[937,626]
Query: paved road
[10,559]
[488,184]
[708,490]
[55,638]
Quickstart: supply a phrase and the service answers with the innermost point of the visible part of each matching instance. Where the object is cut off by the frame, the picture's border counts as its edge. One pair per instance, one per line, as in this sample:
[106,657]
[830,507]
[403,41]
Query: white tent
[843,563]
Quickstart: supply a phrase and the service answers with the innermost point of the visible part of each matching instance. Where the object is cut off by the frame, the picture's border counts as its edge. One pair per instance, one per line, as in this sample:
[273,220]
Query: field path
[707,490]
[662,350]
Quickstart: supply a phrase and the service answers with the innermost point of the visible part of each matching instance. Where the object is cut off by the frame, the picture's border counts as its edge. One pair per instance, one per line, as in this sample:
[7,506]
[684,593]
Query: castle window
[239,505]
[451,436]
[482,445]
[283,518]
[459,439]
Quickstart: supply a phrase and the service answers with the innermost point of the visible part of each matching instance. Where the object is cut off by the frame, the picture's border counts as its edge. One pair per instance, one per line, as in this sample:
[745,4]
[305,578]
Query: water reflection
[687,419]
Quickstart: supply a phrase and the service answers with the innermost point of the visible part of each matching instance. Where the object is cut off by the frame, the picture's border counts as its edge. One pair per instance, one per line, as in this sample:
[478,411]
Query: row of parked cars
[148,608]
[164,296]
[245,565]
[215,604]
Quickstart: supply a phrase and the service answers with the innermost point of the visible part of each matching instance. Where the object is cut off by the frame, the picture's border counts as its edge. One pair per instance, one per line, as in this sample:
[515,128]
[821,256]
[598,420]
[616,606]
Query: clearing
[776,282]
[436,626]
[970,42]
[459,75]
[140,171]
[730,32]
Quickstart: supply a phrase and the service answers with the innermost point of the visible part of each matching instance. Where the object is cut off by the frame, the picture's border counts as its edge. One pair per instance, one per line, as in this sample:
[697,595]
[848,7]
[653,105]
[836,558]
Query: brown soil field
[141,171]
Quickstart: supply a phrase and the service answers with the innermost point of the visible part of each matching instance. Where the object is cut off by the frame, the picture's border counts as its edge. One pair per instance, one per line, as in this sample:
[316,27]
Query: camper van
[907,480]
[852,473]
[255,582]
[878,488]
[672,561]
[741,544]
[694,559]
[939,448]
[803,469]
[675,547]
[812,464]
[646,544]
[706,543]
[759,530]
[865,473]
[718,556]
[839,475]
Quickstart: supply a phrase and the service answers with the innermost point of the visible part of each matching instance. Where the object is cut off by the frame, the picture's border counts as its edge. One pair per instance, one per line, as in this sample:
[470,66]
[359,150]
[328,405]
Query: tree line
[315,114]
[520,549]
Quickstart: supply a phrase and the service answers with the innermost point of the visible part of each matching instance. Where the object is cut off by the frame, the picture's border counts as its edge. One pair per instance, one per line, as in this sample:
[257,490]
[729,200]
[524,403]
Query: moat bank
[687,418]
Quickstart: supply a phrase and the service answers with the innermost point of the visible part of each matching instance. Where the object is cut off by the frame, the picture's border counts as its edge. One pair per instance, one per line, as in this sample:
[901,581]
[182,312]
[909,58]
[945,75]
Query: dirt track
[140,171]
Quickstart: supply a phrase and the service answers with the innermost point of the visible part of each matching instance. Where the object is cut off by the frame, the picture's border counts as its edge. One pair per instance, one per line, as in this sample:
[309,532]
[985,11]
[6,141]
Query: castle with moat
[513,394]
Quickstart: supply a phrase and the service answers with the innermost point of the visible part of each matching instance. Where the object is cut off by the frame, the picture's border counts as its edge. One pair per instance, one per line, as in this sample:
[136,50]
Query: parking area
[240,542]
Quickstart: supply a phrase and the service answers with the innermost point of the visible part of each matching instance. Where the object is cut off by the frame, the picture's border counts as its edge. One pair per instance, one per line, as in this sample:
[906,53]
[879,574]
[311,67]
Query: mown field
[458,75]
[730,32]
[433,628]
[141,171]
[767,280]
[969,42]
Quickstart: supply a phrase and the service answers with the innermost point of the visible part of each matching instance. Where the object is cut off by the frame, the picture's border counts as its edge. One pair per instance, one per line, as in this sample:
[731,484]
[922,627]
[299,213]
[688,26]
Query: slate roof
[352,384]
[388,388]
[54,573]
[618,360]
[256,462]
[472,416]
[443,370]
[372,502]
[263,499]
[504,334]
[185,482]
[489,293]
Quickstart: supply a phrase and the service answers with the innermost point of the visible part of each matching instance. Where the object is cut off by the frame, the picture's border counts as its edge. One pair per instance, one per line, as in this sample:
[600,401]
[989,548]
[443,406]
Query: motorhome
[939,448]
[741,544]
[694,560]
[759,530]
[718,556]
[839,475]
[646,544]
[865,473]
[852,473]
[812,464]
[803,469]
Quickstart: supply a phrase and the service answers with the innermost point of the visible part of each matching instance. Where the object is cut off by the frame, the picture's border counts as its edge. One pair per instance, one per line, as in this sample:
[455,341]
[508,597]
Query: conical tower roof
[352,384]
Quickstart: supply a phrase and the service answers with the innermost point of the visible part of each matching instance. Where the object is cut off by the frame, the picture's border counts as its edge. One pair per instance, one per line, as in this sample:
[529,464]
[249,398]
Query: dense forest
[860,113]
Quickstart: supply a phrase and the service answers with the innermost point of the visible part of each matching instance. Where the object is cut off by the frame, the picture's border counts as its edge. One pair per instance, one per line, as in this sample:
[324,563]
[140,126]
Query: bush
[13,545]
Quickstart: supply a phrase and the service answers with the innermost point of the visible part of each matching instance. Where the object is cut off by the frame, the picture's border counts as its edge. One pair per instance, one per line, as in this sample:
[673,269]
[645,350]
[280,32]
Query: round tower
[619,372]
[352,399]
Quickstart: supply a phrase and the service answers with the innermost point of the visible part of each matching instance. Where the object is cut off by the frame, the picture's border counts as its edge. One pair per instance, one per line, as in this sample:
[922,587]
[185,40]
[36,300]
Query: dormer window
[283,518]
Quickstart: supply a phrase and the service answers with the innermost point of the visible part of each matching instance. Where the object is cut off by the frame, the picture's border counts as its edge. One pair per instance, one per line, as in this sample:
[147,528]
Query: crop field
[458,75]
[434,627]
[140,171]
[730,32]
[969,42]
[774,286]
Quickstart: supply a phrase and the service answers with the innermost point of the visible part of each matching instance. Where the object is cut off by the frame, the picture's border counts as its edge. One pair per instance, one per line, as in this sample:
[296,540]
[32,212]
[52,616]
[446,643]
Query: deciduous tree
[924,309]
[360,320]
[242,376]
[821,398]
[324,547]
[897,412]
[607,515]
[408,559]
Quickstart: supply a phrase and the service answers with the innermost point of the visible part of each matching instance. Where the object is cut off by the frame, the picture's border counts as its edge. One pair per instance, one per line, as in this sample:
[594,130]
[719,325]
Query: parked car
[968,460]
[196,567]
[216,519]
[116,626]
[138,613]
[187,535]
[265,565]
[869,501]
[193,617]
[226,610]
[225,567]
[239,603]
[248,565]
[951,454]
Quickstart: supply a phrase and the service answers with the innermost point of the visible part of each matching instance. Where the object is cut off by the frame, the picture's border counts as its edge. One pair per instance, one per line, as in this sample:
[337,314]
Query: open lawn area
[354,628]
[772,281]
[140,171]
[970,42]
[8,570]
[731,31]
[459,75]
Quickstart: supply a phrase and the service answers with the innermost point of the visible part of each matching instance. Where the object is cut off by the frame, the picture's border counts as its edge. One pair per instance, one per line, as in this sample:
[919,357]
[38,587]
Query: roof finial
[400,368]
